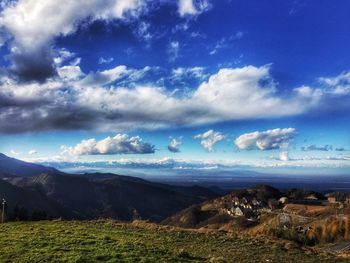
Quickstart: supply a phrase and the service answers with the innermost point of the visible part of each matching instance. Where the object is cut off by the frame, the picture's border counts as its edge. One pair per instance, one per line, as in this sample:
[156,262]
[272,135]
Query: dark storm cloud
[19,120]
[38,66]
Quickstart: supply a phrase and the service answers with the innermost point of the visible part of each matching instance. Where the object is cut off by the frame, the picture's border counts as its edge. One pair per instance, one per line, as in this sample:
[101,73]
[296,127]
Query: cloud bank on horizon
[112,68]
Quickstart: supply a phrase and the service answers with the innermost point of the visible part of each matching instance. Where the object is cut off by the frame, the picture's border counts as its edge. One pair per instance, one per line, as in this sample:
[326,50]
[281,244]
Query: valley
[117,218]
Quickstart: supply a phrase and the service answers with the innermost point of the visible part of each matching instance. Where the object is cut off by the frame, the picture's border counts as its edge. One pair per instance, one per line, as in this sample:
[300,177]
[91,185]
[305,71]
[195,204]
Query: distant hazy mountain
[91,196]
[13,167]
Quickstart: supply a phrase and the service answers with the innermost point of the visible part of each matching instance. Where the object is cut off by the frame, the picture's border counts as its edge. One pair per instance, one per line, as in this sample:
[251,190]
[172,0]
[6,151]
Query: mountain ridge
[11,167]
[92,196]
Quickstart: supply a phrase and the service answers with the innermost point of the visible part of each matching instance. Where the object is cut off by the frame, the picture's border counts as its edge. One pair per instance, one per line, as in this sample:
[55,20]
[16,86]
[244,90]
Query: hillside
[33,188]
[12,167]
[22,203]
[242,208]
[86,197]
[214,213]
[110,241]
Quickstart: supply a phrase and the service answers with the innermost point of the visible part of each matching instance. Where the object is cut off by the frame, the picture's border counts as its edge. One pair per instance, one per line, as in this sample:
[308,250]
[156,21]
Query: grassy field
[309,210]
[109,241]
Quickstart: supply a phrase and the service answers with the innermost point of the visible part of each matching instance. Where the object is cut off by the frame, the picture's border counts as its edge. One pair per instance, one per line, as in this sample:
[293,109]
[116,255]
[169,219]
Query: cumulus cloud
[209,139]
[174,145]
[192,7]
[35,24]
[266,140]
[284,156]
[119,144]
[32,152]
[103,101]
[323,148]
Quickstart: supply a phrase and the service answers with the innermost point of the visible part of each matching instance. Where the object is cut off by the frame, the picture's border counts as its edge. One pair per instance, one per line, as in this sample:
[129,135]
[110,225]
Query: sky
[183,83]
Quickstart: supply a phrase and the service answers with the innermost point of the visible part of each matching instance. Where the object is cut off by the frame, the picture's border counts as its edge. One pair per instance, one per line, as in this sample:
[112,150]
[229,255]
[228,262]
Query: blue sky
[253,83]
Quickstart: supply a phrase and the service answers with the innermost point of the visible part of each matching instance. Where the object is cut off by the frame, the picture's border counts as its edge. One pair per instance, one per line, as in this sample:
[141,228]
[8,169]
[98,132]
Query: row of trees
[20,213]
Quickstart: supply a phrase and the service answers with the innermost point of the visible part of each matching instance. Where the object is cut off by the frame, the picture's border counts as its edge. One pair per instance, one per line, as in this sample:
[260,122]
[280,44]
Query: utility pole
[3,210]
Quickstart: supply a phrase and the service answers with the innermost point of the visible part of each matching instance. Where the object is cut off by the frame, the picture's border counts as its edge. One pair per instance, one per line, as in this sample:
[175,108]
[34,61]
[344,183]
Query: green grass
[108,241]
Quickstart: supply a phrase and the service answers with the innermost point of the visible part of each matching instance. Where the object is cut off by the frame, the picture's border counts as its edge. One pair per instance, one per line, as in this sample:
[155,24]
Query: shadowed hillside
[92,196]
[28,204]
[13,167]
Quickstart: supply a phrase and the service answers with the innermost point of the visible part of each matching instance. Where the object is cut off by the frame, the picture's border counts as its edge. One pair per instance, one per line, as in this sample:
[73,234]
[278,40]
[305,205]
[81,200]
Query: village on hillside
[312,204]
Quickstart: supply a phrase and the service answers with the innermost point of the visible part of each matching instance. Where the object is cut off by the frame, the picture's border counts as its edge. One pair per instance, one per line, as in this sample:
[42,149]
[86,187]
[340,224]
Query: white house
[283,200]
[239,212]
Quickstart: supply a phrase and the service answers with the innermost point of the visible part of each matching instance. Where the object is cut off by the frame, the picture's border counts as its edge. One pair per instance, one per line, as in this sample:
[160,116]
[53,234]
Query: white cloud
[101,78]
[338,85]
[99,101]
[209,139]
[314,95]
[284,156]
[13,152]
[102,60]
[192,7]
[173,50]
[226,42]
[32,152]
[63,55]
[236,93]
[174,145]
[119,144]
[35,23]
[266,140]
[194,72]
[143,31]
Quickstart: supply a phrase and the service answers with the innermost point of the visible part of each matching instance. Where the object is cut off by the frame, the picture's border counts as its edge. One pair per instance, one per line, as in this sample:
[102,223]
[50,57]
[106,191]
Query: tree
[38,215]
[20,213]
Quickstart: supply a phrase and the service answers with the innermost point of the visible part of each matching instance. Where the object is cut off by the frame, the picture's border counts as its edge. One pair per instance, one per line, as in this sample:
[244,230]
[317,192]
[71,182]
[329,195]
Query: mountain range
[10,167]
[38,191]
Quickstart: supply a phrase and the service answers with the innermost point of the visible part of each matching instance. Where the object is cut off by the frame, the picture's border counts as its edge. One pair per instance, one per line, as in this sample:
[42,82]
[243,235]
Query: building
[283,200]
[332,199]
[238,211]
[347,200]
[311,197]
[337,197]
